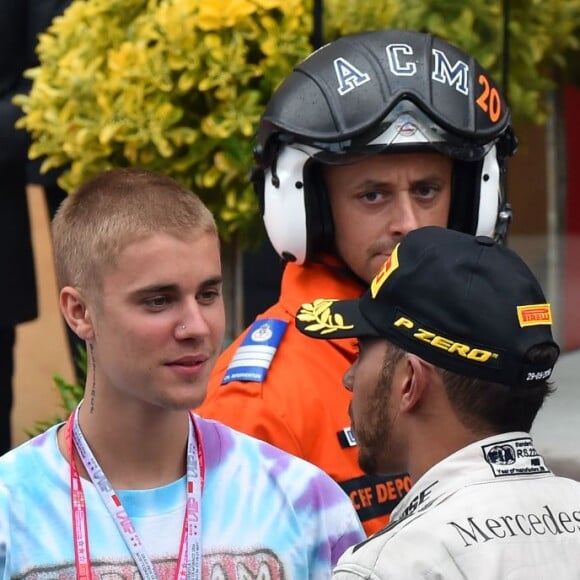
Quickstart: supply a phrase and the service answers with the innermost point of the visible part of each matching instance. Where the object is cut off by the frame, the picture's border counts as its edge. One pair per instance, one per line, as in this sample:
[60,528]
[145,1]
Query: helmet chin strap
[504,219]
[506,147]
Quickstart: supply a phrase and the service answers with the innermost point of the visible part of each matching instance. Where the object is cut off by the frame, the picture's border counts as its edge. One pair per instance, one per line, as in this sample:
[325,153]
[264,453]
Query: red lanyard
[190,557]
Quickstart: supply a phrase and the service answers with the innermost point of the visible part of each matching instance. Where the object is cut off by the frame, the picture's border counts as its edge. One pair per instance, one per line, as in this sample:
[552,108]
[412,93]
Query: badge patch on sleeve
[254,355]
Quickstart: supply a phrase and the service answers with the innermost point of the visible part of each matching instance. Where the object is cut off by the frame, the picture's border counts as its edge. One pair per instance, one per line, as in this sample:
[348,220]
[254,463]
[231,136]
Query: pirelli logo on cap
[534,315]
[390,265]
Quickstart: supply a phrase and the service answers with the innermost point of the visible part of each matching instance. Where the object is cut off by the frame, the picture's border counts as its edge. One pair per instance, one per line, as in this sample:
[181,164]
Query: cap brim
[327,318]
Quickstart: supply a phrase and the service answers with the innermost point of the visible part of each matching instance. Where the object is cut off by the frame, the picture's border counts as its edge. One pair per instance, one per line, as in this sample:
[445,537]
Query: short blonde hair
[113,209]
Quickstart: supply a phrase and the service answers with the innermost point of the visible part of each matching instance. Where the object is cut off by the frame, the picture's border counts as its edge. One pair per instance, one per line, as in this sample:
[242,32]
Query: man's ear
[76,313]
[418,376]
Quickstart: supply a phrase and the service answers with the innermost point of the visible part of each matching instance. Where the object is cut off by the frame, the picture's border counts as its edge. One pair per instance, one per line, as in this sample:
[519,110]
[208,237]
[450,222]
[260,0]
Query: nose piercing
[183,327]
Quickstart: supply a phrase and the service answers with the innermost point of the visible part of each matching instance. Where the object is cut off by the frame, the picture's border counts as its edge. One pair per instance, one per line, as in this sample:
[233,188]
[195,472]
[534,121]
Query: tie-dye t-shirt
[265,514]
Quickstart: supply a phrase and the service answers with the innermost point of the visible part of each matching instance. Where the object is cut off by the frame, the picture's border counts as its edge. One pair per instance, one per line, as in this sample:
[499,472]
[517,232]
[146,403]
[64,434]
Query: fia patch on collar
[253,357]
[514,457]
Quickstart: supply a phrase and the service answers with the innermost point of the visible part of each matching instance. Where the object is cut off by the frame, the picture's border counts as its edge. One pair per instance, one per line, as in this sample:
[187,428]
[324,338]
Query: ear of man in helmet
[380,92]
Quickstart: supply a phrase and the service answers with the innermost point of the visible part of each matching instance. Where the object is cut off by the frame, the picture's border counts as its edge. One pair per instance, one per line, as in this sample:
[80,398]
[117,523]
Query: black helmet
[380,91]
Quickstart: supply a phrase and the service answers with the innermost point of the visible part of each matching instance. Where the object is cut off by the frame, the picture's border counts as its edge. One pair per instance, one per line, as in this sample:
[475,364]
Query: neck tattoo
[94,380]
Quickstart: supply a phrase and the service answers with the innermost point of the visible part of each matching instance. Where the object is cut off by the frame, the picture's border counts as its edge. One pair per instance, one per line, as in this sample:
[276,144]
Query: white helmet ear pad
[489,195]
[284,204]
[476,195]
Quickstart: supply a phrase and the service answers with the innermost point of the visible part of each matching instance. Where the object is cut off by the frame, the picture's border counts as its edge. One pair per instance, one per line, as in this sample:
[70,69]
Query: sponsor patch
[254,355]
[450,346]
[474,530]
[514,457]
[420,500]
[534,315]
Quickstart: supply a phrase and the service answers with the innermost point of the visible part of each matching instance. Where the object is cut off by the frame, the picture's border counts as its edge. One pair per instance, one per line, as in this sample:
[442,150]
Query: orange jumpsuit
[300,405]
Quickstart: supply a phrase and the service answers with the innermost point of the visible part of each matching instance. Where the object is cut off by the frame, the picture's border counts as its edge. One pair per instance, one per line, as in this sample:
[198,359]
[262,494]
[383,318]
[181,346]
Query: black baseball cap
[463,303]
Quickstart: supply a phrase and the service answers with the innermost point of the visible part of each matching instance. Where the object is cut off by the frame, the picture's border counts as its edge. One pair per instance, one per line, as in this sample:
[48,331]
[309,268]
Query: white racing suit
[490,511]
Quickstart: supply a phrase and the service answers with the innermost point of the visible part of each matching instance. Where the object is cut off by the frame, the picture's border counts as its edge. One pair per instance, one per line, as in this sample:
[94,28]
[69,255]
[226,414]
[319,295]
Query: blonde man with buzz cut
[133,483]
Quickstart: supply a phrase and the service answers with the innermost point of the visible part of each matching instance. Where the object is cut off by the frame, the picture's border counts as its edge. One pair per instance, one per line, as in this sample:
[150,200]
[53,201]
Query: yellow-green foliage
[175,86]
[178,86]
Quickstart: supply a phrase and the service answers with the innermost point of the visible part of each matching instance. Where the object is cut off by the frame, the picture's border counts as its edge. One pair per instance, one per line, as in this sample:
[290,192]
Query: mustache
[381,248]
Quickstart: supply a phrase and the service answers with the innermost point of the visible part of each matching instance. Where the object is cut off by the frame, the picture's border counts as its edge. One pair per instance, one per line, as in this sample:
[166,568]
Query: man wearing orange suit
[372,136]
